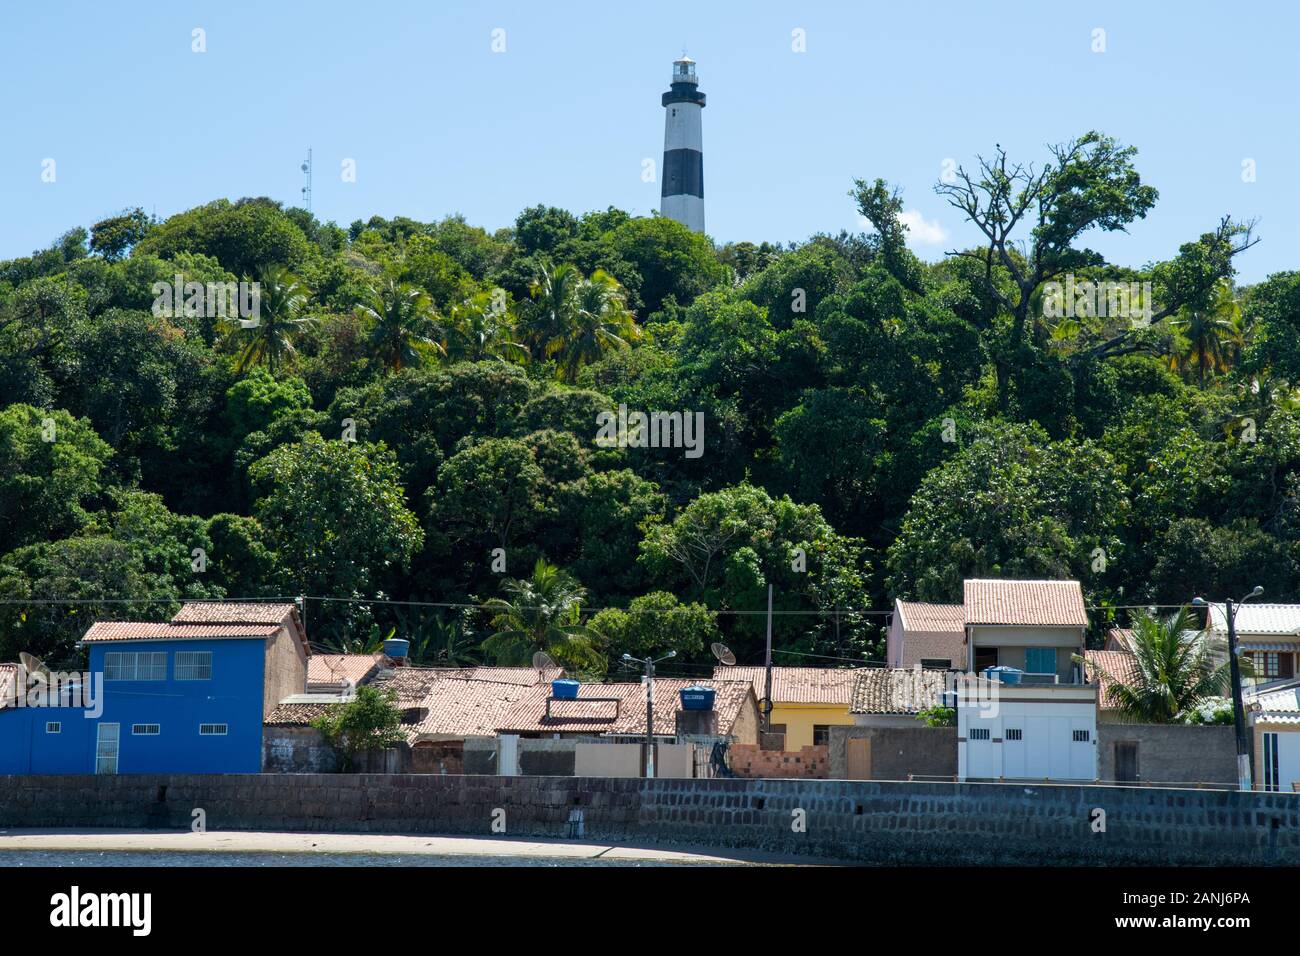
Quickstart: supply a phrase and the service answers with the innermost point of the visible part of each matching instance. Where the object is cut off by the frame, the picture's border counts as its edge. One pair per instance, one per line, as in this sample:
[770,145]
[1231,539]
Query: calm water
[142,858]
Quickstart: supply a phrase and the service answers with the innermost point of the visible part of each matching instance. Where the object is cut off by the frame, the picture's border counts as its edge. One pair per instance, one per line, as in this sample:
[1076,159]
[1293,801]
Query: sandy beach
[243,841]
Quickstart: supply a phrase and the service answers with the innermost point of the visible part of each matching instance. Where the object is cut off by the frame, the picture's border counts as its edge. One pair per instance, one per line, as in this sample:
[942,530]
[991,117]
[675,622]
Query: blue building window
[53,727]
[146,730]
[213,730]
[193,665]
[1040,660]
[135,665]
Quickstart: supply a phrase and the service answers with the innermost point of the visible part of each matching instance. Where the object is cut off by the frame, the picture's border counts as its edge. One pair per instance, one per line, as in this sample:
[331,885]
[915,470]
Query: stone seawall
[874,822]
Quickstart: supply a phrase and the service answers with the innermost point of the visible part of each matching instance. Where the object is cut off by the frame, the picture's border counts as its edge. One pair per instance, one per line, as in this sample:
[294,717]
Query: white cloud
[921,231]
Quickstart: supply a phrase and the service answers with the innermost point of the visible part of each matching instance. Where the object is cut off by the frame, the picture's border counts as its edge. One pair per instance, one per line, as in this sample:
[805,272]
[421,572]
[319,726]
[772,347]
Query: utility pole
[1238,714]
[649,706]
[1244,771]
[649,720]
[767,689]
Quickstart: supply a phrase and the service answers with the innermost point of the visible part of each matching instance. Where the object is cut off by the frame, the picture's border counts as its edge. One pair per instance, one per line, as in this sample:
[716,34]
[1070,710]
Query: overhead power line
[483,606]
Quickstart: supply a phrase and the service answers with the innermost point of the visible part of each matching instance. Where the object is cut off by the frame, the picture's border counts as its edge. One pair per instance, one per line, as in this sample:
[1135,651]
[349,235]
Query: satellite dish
[542,661]
[723,653]
[32,664]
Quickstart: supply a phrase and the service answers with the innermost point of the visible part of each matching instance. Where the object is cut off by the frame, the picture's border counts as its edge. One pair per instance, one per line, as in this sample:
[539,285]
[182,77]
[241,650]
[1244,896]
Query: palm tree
[1174,669]
[479,329]
[436,640]
[554,292]
[1203,336]
[402,324]
[371,643]
[542,613]
[602,321]
[269,340]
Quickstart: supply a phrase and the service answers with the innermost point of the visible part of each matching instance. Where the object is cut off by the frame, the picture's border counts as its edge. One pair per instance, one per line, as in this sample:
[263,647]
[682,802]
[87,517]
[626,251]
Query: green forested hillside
[417,395]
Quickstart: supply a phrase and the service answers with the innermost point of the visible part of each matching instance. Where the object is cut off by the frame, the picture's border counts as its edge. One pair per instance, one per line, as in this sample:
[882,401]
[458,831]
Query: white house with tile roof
[1268,635]
[1039,722]
[1274,717]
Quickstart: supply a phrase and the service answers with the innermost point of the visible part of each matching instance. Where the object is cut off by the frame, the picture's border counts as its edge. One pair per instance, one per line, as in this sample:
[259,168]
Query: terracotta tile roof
[155,631]
[727,703]
[796,685]
[1121,665]
[583,715]
[334,670]
[938,618]
[236,612]
[896,690]
[525,676]
[436,706]
[223,612]
[931,632]
[296,715]
[1279,619]
[412,684]
[457,707]
[627,718]
[1119,638]
[1041,603]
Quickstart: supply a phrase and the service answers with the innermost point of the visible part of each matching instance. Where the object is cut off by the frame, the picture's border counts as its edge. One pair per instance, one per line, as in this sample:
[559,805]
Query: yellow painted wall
[800,718]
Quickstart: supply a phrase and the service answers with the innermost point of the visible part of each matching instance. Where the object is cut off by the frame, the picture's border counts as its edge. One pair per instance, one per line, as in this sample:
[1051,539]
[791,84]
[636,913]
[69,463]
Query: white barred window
[135,665]
[212,730]
[193,665]
[53,727]
[146,730]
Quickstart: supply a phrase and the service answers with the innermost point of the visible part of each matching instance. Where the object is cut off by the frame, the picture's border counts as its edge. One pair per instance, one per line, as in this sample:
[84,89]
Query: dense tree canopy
[408,435]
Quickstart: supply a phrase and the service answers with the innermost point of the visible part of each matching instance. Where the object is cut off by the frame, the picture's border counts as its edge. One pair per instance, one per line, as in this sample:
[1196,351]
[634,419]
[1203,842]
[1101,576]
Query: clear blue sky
[438,123]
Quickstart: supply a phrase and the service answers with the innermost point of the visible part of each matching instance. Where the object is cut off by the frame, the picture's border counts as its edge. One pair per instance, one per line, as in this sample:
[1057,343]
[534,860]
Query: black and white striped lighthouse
[682,196]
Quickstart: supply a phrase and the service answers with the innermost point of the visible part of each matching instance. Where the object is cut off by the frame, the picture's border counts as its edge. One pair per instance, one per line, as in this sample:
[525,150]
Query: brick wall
[748,760]
[869,821]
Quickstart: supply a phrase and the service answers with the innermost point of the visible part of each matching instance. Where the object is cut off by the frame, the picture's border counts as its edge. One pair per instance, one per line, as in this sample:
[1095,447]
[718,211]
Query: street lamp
[1244,773]
[649,705]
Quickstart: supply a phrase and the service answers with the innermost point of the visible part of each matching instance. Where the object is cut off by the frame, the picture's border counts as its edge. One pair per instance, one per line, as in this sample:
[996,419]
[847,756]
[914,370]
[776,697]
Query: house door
[858,759]
[1126,761]
[106,748]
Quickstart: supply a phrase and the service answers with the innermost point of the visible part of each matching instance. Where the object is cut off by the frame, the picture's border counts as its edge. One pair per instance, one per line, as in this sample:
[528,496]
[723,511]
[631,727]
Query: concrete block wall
[1171,753]
[547,757]
[295,750]
[898,752]
[845,819]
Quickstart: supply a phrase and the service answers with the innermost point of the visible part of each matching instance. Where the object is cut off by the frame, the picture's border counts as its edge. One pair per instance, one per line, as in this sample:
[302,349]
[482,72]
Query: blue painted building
[185,696]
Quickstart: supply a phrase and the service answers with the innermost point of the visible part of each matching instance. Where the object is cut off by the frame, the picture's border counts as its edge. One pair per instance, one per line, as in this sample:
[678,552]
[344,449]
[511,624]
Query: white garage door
[981,758]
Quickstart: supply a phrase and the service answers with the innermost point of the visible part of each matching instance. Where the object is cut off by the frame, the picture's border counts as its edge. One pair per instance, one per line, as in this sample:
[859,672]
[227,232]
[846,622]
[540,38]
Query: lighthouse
[682,195]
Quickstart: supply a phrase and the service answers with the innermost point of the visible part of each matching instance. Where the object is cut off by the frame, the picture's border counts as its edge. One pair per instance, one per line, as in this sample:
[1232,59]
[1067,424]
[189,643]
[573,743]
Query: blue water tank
[397,647]
[1007,675]
[696,697]
[565,689]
